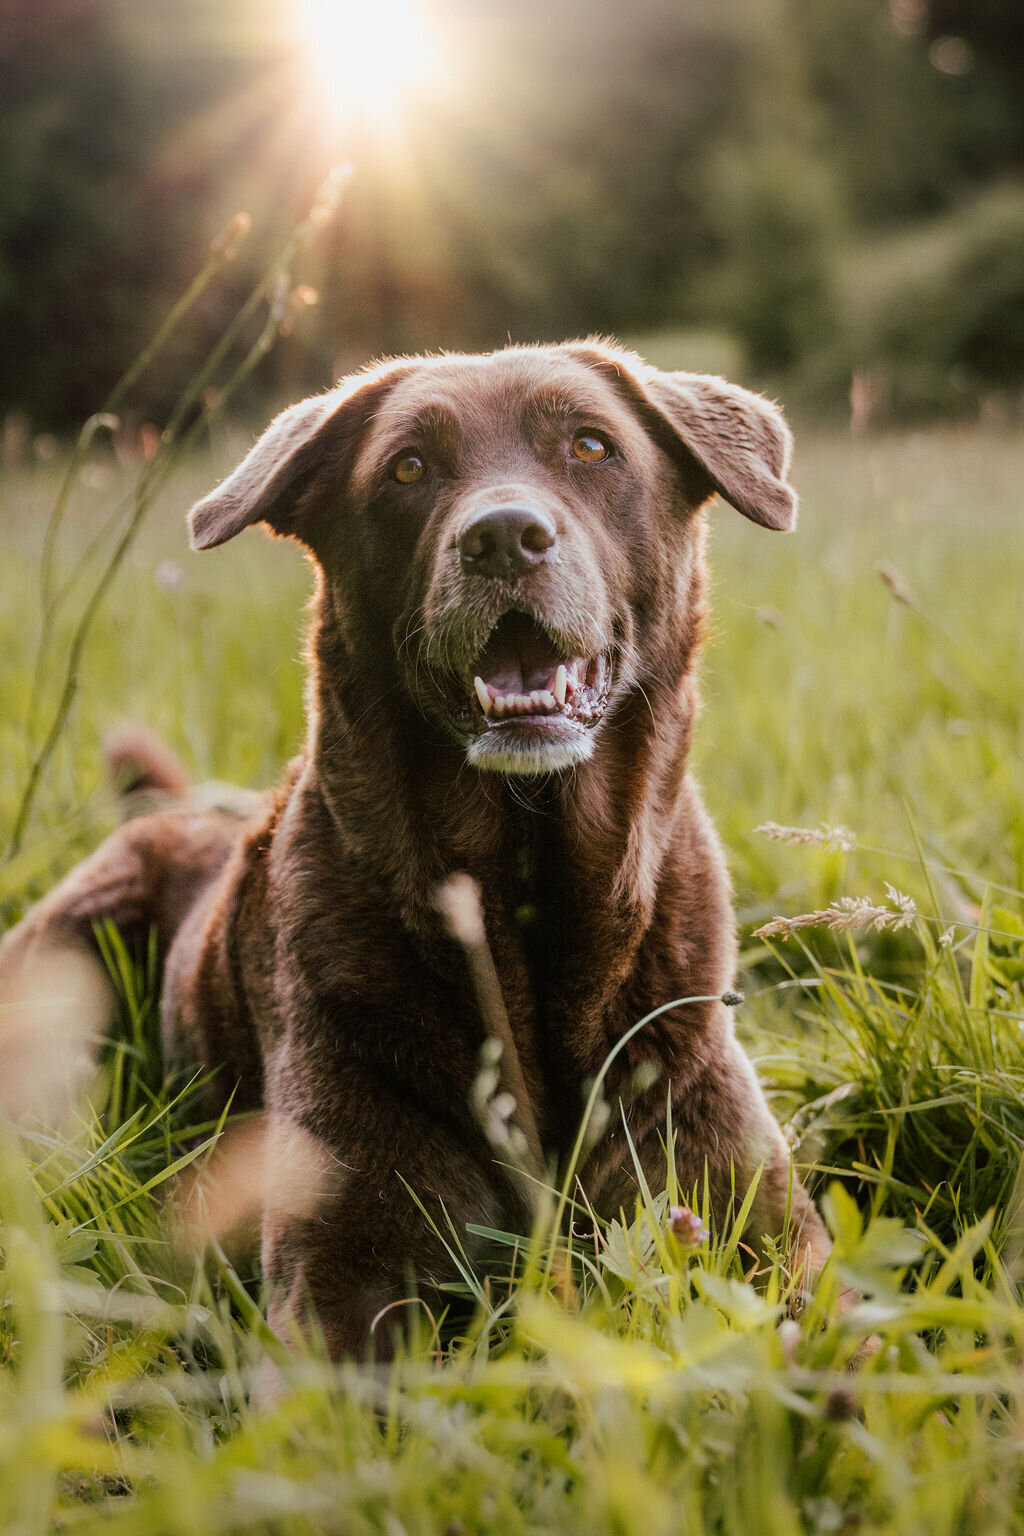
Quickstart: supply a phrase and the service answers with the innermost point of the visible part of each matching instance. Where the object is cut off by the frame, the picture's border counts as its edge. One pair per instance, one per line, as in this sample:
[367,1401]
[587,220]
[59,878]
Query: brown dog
[510,596]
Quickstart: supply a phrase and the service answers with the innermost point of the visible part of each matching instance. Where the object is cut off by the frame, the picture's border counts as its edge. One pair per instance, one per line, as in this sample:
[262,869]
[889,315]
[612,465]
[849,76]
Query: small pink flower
[685,1225]
[168,575]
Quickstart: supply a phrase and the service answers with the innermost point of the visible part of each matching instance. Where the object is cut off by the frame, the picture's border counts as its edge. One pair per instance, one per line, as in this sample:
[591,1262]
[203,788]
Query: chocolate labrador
[510,601]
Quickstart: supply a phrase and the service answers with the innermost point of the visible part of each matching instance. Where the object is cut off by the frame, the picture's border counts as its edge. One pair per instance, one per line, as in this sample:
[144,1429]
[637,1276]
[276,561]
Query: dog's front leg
[724,1133]
[759,1149]
[395,1185]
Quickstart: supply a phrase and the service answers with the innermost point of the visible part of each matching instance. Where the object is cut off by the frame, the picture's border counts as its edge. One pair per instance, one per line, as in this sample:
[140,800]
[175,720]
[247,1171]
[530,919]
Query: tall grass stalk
[175,440]
[36,1320]
[222,250]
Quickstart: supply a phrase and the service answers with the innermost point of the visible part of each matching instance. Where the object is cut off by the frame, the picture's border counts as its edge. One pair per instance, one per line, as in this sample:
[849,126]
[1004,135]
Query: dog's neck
[583,874]
[412,812]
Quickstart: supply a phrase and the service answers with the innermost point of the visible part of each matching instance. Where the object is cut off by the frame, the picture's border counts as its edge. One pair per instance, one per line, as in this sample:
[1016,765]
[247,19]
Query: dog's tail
[143,770]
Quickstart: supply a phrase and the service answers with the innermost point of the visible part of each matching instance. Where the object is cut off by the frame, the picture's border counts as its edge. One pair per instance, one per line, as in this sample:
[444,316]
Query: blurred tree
[952,336]
[595,168]
[993,31]
[777,220]
[110,185]
[903,136]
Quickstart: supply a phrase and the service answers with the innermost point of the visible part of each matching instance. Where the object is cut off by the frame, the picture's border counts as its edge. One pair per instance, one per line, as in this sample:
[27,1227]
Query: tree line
[827,190]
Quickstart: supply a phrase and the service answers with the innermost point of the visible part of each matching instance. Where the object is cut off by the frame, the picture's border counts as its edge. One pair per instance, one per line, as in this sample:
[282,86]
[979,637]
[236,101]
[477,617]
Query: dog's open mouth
[522,675]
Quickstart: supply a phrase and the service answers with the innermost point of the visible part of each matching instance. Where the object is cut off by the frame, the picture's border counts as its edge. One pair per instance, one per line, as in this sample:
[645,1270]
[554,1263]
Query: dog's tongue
[518,657]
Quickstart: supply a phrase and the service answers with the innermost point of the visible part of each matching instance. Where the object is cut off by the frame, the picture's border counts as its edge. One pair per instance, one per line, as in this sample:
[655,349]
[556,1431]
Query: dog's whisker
[650,706]
[410,635]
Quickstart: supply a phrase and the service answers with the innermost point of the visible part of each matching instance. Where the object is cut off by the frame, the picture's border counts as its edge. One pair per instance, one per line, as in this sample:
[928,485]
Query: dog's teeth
[483,695]
[499,704]
[547,699]
[537,698]
[559,686]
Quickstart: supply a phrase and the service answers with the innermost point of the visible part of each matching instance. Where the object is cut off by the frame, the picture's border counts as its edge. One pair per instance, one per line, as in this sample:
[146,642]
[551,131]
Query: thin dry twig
[895,585]
[501,1098]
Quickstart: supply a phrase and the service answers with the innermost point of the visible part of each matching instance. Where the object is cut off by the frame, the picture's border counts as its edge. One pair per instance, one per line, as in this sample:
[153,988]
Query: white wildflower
[845,915]
[835,839]
[906,906]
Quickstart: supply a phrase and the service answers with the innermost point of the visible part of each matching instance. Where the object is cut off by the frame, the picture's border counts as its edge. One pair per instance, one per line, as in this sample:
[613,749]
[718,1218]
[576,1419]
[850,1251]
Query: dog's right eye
[590,447]
[409,468]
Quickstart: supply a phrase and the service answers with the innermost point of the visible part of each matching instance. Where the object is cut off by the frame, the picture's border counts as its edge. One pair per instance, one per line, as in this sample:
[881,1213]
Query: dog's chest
[373,983]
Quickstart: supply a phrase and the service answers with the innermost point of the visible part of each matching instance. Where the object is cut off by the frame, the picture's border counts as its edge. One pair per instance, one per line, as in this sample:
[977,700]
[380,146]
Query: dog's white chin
[514,753]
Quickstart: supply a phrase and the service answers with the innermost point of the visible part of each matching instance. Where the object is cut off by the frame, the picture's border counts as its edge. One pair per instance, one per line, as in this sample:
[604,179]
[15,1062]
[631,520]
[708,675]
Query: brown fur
[305,954]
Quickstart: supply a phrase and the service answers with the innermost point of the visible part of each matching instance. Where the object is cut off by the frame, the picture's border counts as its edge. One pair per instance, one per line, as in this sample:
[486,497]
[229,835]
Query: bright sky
[370,57]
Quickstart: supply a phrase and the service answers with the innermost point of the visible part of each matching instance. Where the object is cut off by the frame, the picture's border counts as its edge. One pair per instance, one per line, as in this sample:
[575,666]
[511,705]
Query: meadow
[862,674]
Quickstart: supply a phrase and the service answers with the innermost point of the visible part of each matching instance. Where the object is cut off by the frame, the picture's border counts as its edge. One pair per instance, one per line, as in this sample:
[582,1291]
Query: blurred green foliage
[666,165]
[958,331]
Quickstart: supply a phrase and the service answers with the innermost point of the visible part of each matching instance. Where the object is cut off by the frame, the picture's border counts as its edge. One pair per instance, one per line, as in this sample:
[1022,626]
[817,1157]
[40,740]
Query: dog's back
[149,876]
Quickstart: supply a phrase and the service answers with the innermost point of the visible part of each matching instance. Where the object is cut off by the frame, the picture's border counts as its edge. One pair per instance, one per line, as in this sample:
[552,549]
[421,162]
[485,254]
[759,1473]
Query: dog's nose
[507,540]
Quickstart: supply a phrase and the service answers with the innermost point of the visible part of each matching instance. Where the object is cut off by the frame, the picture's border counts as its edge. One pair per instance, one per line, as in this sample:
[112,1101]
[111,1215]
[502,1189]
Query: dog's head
[511,538]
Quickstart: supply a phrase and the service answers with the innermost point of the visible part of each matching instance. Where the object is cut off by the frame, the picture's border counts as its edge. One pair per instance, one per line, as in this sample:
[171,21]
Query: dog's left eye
[590,447]
[409,468]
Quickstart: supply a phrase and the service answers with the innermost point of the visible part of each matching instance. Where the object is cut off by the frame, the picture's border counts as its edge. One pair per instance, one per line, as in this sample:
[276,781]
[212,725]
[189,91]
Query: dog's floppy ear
[307,445]
[740,440]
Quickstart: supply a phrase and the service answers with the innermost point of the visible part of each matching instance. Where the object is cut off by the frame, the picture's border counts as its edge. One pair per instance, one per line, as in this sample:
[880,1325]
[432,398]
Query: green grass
[632,1386]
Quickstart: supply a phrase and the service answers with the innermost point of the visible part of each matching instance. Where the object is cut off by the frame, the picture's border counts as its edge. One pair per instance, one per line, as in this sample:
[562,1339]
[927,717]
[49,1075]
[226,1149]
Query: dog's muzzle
[533,705]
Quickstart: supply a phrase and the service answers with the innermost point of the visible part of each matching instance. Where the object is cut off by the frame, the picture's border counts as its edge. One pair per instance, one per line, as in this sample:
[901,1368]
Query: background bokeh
[799,194]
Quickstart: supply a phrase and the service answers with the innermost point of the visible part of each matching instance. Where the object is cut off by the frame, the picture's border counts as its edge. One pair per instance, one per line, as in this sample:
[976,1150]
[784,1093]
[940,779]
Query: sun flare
[369,60]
